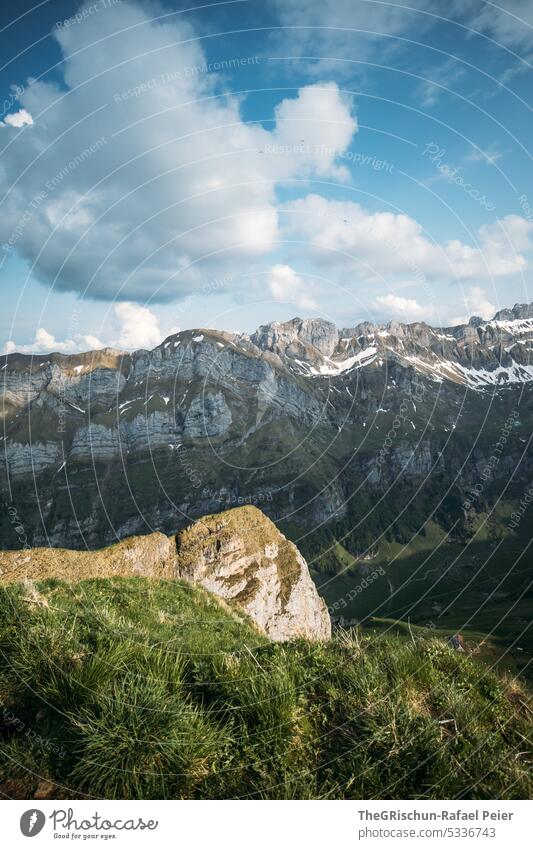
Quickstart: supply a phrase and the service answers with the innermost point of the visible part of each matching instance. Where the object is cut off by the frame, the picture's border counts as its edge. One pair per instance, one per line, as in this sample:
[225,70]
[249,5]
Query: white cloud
[406,309]
[385,243]
[138,327]
[128,327]
[18,119]
[511,26]
[489,156]
[475,302]
[318,123]
[286,286]
[343,29]
[46,343]
[153,182]
[511,233]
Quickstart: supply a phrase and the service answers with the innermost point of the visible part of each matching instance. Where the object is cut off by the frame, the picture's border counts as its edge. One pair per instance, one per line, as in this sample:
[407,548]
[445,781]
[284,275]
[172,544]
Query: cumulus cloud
[46,343]
[138,327]
[406,309]
[140,177]
[318,125]
[285,285]
[511,233]
[18,119]
[130,327]
[475,302]
[383,243]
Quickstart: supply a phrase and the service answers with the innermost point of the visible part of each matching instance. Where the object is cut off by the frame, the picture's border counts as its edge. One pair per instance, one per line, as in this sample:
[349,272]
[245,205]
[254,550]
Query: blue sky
[237,163]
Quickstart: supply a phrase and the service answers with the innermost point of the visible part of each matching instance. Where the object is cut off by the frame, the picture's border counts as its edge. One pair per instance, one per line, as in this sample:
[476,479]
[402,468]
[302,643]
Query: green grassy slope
[481,587]
[130,688]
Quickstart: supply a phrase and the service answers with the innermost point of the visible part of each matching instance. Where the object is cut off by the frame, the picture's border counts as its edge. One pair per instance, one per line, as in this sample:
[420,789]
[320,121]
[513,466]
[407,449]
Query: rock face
[238,555]
[241,555]
[294,418]
[304,337]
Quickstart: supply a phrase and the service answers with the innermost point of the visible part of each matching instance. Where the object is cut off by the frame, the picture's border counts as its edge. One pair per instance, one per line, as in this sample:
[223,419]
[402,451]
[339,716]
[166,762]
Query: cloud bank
[139,178]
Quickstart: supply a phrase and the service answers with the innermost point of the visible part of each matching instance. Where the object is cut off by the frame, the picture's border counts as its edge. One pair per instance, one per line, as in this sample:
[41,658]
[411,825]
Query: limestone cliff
[241,555]
[294,418]
[238,555]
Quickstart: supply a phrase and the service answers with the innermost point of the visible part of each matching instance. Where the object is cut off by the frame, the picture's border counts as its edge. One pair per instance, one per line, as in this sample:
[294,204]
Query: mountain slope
[312,424]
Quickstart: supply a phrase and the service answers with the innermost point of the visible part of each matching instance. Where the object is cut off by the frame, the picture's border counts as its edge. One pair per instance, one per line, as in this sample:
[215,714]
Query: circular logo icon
[32,822]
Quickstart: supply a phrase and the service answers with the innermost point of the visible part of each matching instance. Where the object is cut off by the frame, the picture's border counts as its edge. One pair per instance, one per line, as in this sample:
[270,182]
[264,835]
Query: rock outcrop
[238,555]
[241,556]
[151,556]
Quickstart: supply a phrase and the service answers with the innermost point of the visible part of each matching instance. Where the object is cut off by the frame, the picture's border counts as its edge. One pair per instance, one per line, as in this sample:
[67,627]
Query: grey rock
[241,556]
[208,415]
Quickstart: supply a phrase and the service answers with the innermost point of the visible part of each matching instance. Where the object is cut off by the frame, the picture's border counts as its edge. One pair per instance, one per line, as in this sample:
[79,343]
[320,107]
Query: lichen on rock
[241,556]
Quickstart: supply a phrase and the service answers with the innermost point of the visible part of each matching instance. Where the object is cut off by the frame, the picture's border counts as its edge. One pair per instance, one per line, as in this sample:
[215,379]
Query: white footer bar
[268,825]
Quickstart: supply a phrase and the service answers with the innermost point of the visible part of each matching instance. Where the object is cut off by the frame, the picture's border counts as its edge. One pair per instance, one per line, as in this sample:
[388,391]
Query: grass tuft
[130,688]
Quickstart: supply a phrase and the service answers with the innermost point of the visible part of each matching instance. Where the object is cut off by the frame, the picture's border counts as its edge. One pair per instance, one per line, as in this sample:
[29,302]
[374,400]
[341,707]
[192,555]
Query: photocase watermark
[11,720]
[224,497]
[38,199]
[185,73]
[65,824]
[366,582]
[526,208]
[399,420]
[494,459]
[435,153]
[18,527]
[87,12]
[233,499]
[302,148]
[516,515]
[14,96]
[24,220]
[192,473]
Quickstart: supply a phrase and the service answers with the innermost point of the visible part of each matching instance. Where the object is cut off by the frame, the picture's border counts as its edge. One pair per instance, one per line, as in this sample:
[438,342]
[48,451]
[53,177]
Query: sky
[168,165]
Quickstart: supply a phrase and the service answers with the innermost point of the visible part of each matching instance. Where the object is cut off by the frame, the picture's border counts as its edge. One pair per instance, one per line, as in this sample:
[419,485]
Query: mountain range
[299,416]
[399,446]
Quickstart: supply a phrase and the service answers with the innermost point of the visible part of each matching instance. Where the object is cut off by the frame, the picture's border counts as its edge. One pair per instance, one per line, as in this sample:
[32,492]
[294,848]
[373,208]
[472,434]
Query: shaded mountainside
[137,688]
[311,423]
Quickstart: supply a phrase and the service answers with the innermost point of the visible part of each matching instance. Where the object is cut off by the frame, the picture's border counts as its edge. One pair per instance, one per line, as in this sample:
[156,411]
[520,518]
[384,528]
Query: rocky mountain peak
[298,336]
[519,311]
[204,398]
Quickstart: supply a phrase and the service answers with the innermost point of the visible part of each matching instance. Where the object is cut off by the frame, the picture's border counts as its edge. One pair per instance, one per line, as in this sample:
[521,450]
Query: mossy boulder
[241,556]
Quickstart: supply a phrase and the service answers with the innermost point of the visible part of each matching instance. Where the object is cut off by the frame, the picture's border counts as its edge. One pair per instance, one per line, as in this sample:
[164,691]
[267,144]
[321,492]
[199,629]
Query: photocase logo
[32,822]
